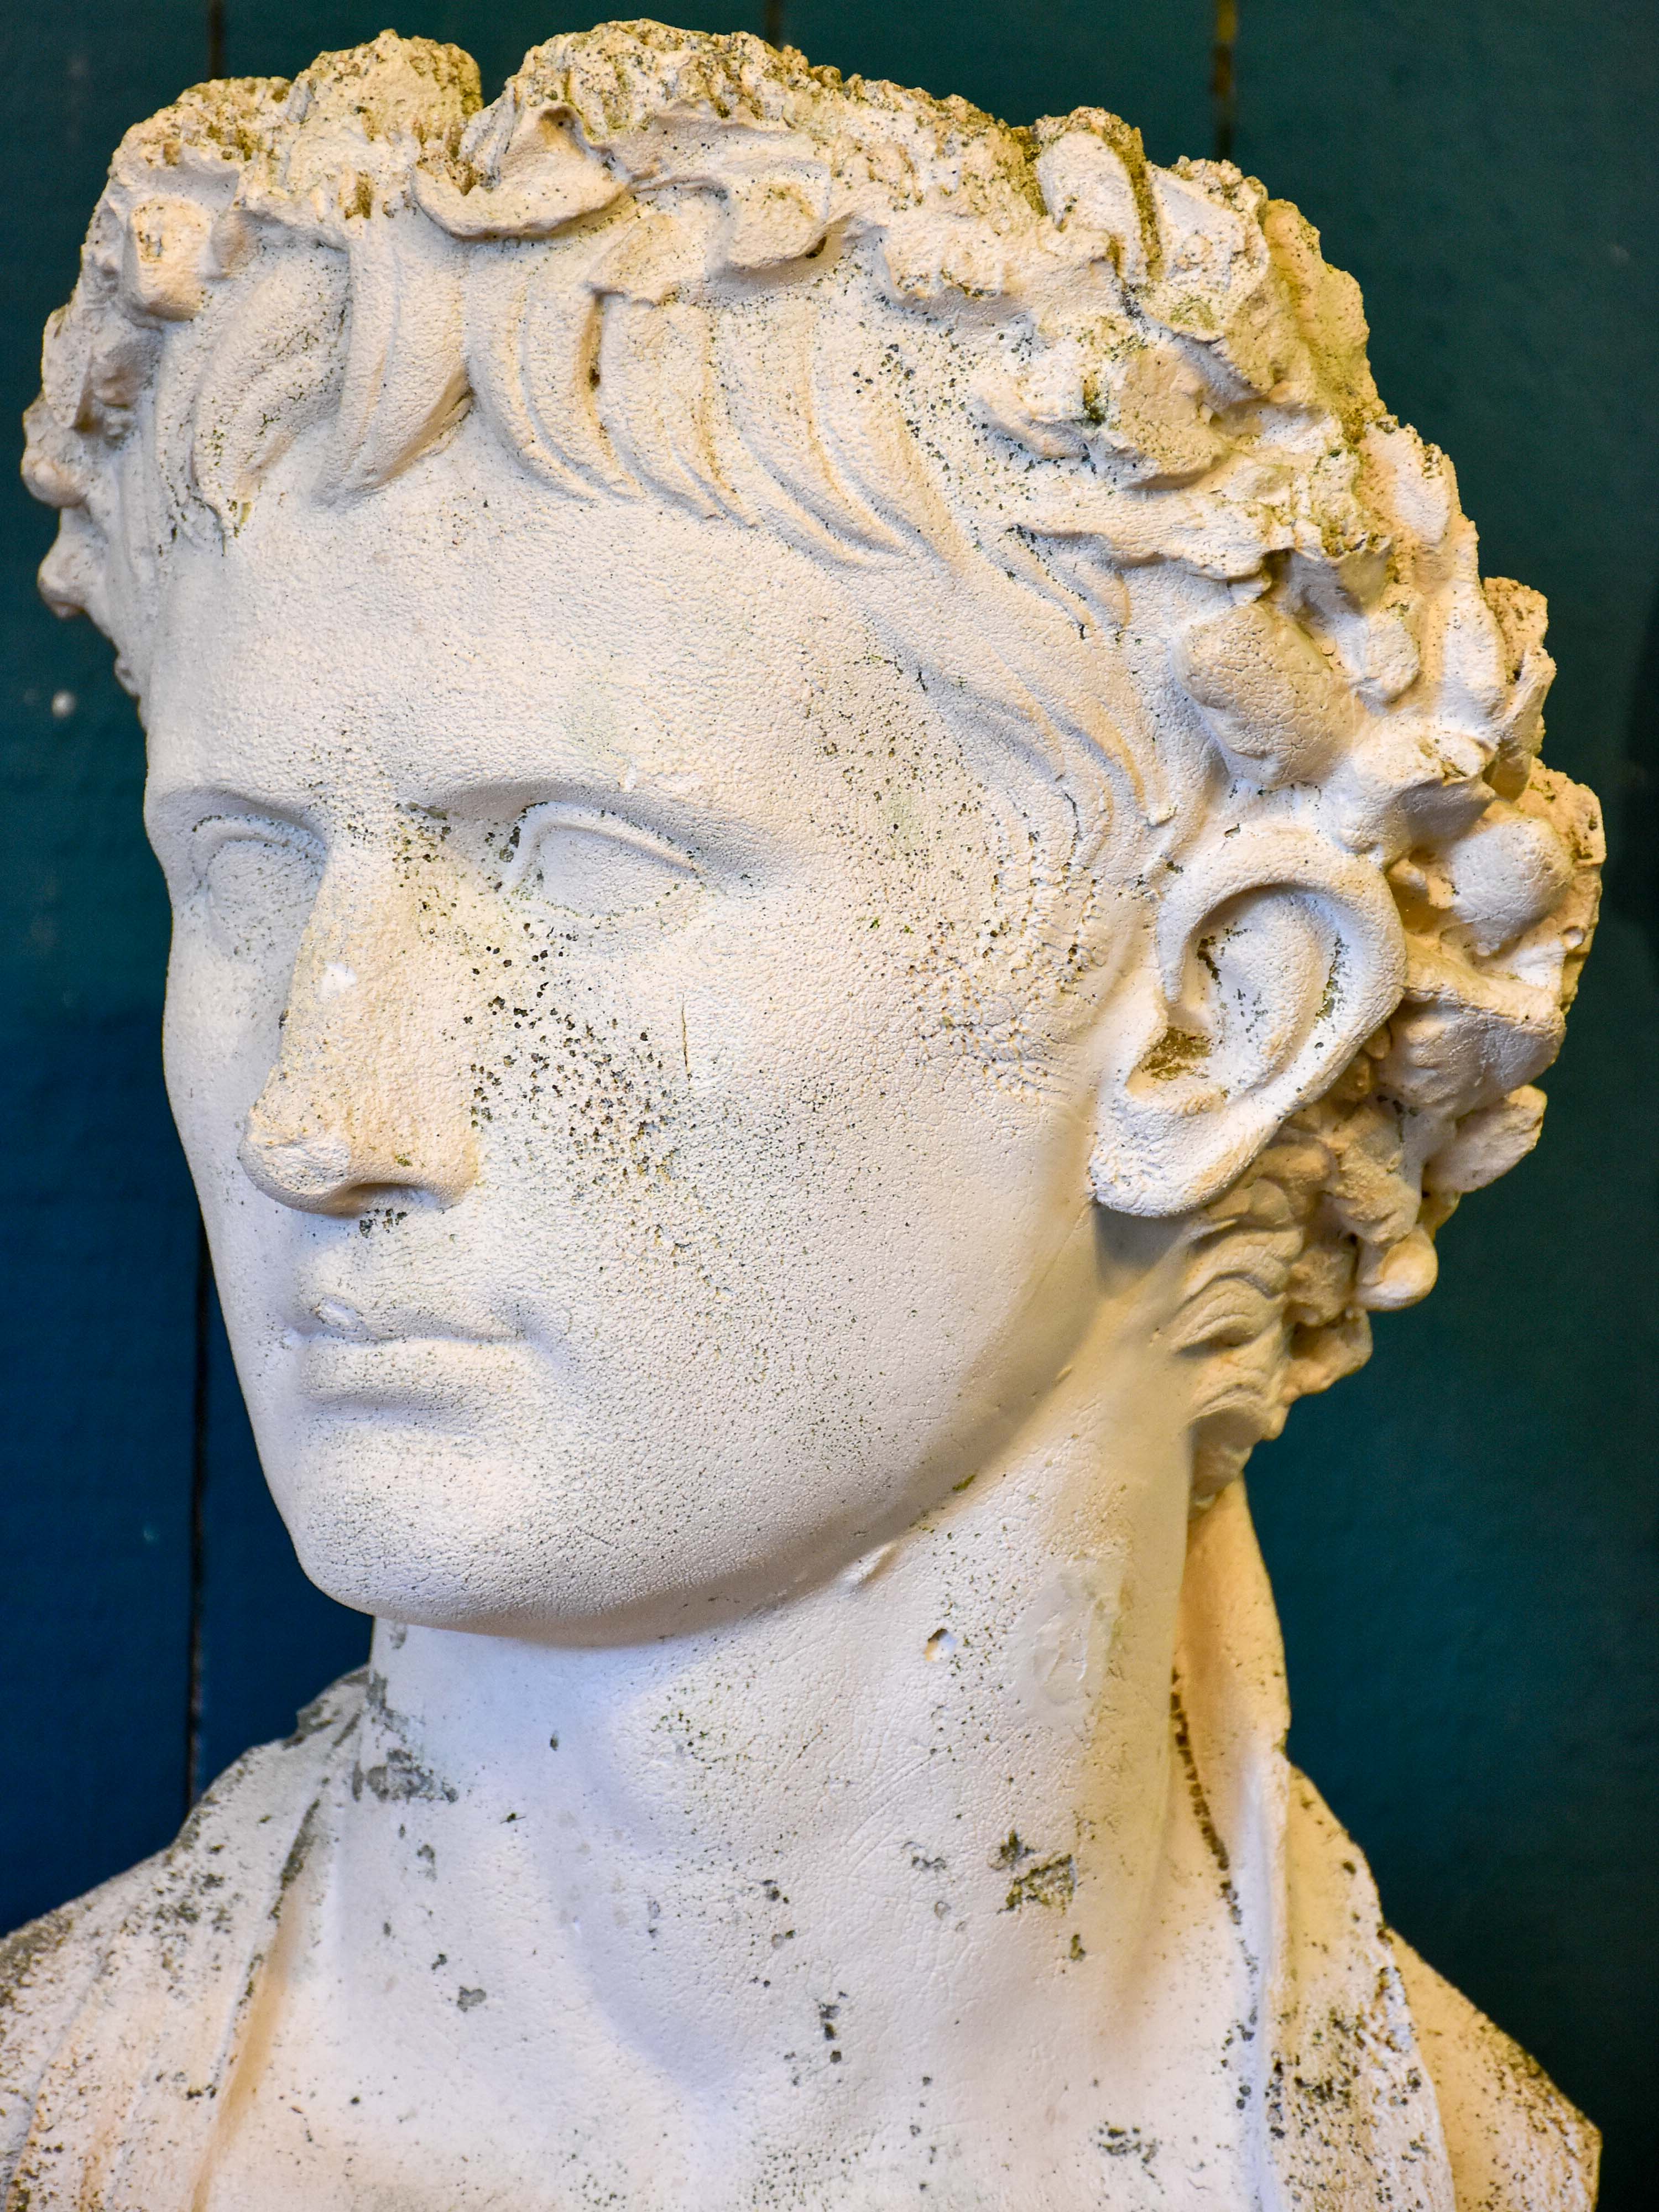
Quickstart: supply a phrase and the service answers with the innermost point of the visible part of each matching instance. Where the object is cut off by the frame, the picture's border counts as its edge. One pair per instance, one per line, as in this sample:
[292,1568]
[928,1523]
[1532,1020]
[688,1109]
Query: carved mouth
[436,1372]
[397,1354]
[338,1321]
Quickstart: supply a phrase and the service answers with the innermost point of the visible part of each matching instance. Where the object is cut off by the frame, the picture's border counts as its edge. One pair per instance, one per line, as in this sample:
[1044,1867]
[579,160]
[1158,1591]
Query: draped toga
[1374,2083]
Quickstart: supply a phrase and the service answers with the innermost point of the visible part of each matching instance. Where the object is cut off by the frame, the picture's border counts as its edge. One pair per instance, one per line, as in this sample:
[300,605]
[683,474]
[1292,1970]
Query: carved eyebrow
[707,826]
[179,811]
[608,821]
[578,785]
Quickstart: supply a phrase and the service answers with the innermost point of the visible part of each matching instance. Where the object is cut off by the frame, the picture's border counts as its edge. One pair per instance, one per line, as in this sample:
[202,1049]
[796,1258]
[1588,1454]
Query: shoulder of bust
[47,1970]
[87,1990]
[1514,2143]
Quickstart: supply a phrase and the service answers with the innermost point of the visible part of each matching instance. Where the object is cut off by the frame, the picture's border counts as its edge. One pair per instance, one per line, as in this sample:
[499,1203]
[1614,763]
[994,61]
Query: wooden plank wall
[1464,1537]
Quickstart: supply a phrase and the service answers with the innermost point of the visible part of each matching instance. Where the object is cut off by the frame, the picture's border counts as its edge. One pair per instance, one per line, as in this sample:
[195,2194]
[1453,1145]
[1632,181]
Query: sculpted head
[797,737]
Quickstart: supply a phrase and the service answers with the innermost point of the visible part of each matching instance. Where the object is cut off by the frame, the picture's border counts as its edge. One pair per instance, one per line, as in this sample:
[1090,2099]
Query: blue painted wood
[97,1233]
[1463,1536]
[276,37]
[1149,62]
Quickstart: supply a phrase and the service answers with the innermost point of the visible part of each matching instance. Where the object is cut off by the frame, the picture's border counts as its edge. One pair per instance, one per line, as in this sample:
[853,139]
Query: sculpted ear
[1274,956]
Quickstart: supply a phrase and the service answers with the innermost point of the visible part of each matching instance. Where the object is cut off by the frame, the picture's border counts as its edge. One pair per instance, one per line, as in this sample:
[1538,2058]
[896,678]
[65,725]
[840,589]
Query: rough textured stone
[856,860]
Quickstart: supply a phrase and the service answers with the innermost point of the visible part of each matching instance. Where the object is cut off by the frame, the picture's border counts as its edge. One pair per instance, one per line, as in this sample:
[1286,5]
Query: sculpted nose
[366,1095]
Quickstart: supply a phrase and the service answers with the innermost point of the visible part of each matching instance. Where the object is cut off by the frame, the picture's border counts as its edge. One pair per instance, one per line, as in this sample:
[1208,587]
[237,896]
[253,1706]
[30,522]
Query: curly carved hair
[1115,421]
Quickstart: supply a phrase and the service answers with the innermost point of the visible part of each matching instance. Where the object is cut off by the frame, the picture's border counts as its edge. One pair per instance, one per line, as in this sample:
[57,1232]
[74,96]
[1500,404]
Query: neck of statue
[893,1830]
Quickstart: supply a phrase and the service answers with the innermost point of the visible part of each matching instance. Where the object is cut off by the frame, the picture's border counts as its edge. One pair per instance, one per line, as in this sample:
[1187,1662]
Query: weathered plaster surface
[857,860]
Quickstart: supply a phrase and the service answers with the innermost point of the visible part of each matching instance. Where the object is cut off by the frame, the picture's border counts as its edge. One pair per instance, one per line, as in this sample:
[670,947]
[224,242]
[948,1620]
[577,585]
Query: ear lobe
[1275,955]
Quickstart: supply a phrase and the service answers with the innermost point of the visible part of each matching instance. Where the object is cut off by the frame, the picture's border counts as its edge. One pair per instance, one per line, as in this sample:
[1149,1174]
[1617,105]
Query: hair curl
[1028,364]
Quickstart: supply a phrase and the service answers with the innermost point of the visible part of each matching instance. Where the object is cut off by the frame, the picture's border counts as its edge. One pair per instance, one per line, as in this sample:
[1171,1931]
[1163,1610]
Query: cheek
[749,1140]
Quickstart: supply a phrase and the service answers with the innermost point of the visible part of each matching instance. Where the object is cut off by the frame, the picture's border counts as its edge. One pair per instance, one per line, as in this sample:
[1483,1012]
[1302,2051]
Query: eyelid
[618,829]
[213,832]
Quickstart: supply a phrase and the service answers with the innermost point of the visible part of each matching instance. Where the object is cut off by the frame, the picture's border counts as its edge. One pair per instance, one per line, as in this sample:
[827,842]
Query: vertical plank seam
[1223,83]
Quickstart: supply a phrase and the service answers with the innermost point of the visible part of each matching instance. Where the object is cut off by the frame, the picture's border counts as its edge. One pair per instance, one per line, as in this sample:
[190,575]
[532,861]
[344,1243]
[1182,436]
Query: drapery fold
[1370,2084]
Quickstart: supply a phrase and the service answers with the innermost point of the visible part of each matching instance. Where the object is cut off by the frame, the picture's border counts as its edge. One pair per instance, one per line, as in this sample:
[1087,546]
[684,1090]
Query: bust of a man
[857,859]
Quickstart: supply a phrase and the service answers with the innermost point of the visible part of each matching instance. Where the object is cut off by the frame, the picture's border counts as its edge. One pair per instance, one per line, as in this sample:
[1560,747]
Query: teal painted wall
[1464,1538]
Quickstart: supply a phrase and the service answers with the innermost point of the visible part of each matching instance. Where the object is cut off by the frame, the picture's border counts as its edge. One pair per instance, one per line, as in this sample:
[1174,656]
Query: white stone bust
[856,861]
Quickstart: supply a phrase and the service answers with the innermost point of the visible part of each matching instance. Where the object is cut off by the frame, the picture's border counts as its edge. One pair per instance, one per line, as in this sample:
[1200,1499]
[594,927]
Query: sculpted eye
[256,882]
[590,863]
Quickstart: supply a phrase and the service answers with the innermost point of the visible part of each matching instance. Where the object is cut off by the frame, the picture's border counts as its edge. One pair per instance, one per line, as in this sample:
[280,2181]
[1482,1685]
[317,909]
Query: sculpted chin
[857,860]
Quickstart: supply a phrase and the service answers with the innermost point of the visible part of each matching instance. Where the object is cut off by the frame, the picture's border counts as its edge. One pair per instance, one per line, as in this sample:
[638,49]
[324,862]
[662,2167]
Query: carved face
[596,1024]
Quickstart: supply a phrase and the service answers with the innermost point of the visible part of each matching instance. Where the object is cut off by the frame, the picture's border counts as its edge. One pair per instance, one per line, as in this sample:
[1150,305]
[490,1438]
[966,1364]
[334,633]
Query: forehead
[463,627]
